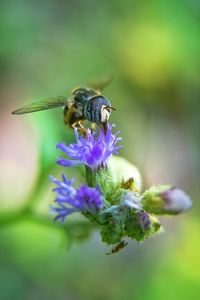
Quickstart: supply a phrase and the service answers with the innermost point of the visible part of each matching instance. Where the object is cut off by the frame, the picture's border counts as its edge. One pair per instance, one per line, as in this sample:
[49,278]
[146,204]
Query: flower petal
[94,151]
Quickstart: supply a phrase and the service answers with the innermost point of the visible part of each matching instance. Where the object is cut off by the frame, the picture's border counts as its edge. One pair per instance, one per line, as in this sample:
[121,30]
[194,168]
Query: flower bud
[112,228]
[131,200]
[125,173]
[140,225]
[165,200]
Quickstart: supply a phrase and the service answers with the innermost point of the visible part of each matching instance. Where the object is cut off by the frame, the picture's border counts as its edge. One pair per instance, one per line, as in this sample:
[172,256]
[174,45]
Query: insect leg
[82,129]
[105,127]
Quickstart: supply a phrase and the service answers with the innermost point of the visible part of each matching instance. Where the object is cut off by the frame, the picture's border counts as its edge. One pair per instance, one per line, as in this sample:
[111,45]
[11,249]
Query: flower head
[112,198]
[69,200]
[93,152]
[176,200]
[131,200]
[165,199]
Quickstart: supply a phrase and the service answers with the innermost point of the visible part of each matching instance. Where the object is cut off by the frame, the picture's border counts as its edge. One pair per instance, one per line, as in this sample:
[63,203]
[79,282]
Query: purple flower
[93,152]
[69,200]
[165,199]
[175,200]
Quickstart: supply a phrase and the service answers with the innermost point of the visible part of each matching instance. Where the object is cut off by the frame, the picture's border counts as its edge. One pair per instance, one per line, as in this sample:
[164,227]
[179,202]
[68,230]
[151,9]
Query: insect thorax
[82,96]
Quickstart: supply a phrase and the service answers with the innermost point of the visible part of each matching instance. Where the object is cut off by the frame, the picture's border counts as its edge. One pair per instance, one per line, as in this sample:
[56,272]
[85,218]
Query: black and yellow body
[85,104]
[95,107]
[72,115]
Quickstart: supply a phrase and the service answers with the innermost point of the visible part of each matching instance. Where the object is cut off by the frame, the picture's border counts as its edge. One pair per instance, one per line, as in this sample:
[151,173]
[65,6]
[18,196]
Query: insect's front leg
[78,125]
[105,127]
[82,129]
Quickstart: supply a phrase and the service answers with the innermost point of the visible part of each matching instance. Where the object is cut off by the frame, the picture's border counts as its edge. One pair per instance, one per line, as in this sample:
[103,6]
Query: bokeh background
[152,48]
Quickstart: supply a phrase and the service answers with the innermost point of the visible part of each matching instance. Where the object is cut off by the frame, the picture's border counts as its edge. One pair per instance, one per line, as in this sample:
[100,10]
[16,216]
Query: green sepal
[153,202]
[102,178]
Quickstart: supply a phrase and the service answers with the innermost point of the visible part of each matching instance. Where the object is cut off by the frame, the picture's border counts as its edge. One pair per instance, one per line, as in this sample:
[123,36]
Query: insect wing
[100,83]
[42,105]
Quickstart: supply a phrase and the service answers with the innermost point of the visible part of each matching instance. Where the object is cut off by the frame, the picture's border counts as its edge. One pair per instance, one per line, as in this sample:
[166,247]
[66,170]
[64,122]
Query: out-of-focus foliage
[152,48]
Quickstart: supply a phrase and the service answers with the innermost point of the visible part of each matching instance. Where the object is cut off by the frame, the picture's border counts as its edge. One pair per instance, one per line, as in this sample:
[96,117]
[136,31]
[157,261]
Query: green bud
[102,178]
[113,224]
[165,199]
[125,173]
[140,225]
[131,200]
[117,176]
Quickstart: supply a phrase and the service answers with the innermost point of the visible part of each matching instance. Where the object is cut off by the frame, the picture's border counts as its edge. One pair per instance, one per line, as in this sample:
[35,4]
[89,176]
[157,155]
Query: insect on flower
[86,103]
[118,247]
[94,152]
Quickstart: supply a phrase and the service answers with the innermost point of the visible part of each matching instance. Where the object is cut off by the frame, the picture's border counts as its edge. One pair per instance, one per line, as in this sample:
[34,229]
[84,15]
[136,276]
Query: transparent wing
[100,83]
[42,105]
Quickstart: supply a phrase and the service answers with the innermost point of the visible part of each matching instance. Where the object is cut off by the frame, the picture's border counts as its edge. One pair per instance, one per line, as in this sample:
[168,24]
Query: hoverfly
[86,103]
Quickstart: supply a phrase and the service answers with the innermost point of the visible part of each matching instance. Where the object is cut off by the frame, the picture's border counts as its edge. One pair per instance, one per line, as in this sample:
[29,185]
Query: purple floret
[90,199]
[144,220]
[69,200]
[93,152]
[176,200]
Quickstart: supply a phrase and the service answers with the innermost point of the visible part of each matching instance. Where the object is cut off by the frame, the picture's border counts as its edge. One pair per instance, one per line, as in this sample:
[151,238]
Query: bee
[86,103]
[118,247]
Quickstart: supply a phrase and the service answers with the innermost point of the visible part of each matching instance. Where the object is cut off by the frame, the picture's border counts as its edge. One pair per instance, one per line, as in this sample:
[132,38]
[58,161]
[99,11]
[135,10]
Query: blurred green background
[152,48]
